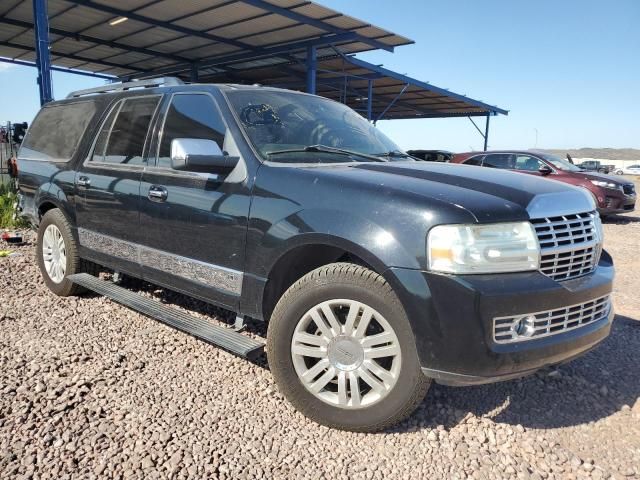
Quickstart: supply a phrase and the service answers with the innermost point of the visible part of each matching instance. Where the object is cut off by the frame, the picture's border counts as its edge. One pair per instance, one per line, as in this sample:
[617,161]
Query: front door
[108,185]
[194,224]
[529,164]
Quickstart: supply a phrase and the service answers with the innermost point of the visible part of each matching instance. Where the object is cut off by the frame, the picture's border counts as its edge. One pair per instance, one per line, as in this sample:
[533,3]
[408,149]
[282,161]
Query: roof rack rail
[118,87]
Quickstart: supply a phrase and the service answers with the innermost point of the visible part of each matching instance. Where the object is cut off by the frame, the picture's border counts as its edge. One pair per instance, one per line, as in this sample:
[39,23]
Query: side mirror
[200,155]
[545,170]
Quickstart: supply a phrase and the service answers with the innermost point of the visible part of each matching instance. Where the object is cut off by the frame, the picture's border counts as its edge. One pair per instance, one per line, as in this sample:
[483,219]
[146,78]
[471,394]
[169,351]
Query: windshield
[281,125]
[560,163]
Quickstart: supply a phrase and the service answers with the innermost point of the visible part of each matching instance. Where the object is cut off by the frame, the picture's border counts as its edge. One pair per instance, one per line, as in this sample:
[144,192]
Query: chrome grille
[550,322]
[569,245]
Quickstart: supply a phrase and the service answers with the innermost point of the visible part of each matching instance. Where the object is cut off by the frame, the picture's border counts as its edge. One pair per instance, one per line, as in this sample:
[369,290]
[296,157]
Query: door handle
[157,194]
[83,182]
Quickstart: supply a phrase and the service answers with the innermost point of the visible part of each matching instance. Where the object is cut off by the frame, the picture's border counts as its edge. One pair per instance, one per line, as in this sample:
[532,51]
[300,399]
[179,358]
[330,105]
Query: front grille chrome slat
[569,245]
[552,322]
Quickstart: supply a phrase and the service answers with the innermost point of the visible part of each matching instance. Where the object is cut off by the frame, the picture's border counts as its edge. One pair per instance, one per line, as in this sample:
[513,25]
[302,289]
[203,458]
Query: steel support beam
[396,98]
[59,69]
[312,67]
[318,23]
[193,74]
[486,132]
[369,99]
[43,60]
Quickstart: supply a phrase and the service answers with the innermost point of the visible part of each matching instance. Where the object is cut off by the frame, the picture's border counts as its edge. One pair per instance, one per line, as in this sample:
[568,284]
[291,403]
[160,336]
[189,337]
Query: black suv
[375,273]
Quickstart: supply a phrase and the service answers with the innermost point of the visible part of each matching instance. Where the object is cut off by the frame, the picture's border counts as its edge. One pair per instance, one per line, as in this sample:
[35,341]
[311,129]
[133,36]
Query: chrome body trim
[552,322]
[207,274]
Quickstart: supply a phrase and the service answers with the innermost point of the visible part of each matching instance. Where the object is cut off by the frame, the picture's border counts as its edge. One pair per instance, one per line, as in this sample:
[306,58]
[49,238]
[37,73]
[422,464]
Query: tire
[343,287]
[55,221]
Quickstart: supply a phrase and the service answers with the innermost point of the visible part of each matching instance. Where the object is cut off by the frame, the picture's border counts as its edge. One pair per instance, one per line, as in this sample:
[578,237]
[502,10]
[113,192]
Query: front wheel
[342,351]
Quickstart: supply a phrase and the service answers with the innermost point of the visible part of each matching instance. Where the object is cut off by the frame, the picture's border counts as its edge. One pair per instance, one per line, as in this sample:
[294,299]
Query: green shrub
[8,201]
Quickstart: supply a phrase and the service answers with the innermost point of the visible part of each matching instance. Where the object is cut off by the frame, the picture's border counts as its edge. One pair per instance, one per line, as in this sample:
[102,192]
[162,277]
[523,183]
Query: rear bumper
[452,320]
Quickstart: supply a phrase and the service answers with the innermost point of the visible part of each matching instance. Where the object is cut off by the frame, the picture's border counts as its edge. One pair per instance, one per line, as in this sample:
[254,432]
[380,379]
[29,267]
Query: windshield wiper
[326,149]
[393,154]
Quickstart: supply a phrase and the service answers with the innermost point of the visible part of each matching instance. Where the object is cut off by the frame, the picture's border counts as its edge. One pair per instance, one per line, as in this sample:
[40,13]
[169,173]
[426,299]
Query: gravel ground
[91,389]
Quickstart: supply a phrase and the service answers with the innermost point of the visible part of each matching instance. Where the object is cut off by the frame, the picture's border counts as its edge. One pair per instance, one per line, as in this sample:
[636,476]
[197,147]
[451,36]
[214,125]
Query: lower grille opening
[529,326]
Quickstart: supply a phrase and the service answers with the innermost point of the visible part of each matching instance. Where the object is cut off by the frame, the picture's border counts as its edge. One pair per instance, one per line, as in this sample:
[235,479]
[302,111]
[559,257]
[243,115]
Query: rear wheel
[341,350]
[57,254]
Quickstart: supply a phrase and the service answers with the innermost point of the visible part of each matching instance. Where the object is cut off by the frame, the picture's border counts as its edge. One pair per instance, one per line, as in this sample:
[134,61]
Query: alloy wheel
[346,354]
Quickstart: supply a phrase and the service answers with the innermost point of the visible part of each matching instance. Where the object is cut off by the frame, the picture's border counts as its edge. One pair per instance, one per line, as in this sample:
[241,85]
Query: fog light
[524,326]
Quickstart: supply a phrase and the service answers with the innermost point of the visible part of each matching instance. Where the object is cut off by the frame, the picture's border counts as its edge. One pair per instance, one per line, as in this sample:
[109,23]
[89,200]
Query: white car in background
[630,170]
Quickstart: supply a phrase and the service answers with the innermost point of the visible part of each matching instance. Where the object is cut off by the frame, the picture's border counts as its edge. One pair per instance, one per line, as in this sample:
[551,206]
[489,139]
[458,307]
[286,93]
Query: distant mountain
[601,153]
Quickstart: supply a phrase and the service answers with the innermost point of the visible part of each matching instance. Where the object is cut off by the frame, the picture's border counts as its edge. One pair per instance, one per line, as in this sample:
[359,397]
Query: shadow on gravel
[591,387]
[620,219]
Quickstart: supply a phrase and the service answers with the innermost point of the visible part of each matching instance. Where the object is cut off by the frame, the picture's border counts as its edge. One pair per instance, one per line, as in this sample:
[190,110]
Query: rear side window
[123,134]
[190,116]
[56,132]
[499,160]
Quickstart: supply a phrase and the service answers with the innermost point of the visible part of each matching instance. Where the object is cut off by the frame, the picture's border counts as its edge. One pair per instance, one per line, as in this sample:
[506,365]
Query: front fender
[376,245]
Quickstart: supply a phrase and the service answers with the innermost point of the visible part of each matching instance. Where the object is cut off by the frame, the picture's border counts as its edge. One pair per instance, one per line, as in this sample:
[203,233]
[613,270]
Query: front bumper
[452,320]
[615,201]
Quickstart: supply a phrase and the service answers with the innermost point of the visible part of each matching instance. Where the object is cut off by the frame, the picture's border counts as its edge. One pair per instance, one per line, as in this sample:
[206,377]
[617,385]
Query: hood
[601,176]
[489,195]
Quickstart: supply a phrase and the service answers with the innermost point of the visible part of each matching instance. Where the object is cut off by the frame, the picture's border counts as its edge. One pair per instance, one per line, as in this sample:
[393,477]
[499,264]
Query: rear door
[108,184]
[194,224]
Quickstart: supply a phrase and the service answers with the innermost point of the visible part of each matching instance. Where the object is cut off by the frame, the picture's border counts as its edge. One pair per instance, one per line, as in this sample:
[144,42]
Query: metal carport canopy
[173,36]
[291,43]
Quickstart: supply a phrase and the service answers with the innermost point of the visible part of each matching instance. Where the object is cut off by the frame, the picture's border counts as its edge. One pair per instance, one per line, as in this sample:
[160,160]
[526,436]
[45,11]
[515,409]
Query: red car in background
[611,194]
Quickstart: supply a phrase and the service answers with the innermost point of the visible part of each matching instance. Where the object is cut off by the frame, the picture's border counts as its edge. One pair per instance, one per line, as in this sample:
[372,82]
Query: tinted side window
[528,163]
[122,137]
[499,160]
[56,131]
[190,116]
[477,160]
[103,135]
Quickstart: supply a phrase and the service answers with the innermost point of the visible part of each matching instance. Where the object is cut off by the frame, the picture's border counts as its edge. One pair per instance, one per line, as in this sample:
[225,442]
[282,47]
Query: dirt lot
[91,389]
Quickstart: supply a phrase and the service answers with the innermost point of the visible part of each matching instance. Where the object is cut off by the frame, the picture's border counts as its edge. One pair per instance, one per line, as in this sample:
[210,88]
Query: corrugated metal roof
[345,79]
[173,33]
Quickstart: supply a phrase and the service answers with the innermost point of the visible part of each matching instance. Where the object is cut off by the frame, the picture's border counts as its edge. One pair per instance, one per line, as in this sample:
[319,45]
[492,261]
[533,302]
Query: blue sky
[570,69]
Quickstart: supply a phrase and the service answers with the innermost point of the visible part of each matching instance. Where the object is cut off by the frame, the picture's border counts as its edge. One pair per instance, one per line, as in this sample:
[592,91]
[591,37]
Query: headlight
[495,248]
[604,184]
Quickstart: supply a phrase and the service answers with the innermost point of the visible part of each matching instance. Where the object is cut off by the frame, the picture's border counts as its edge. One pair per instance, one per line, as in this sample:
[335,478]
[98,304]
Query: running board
[222,337]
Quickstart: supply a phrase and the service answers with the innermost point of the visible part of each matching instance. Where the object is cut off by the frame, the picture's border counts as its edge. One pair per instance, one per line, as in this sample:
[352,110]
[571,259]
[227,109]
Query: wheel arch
[305,255]
[51,196]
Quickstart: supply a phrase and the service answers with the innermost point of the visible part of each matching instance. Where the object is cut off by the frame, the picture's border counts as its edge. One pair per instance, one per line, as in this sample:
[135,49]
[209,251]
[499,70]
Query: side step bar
[222,337]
